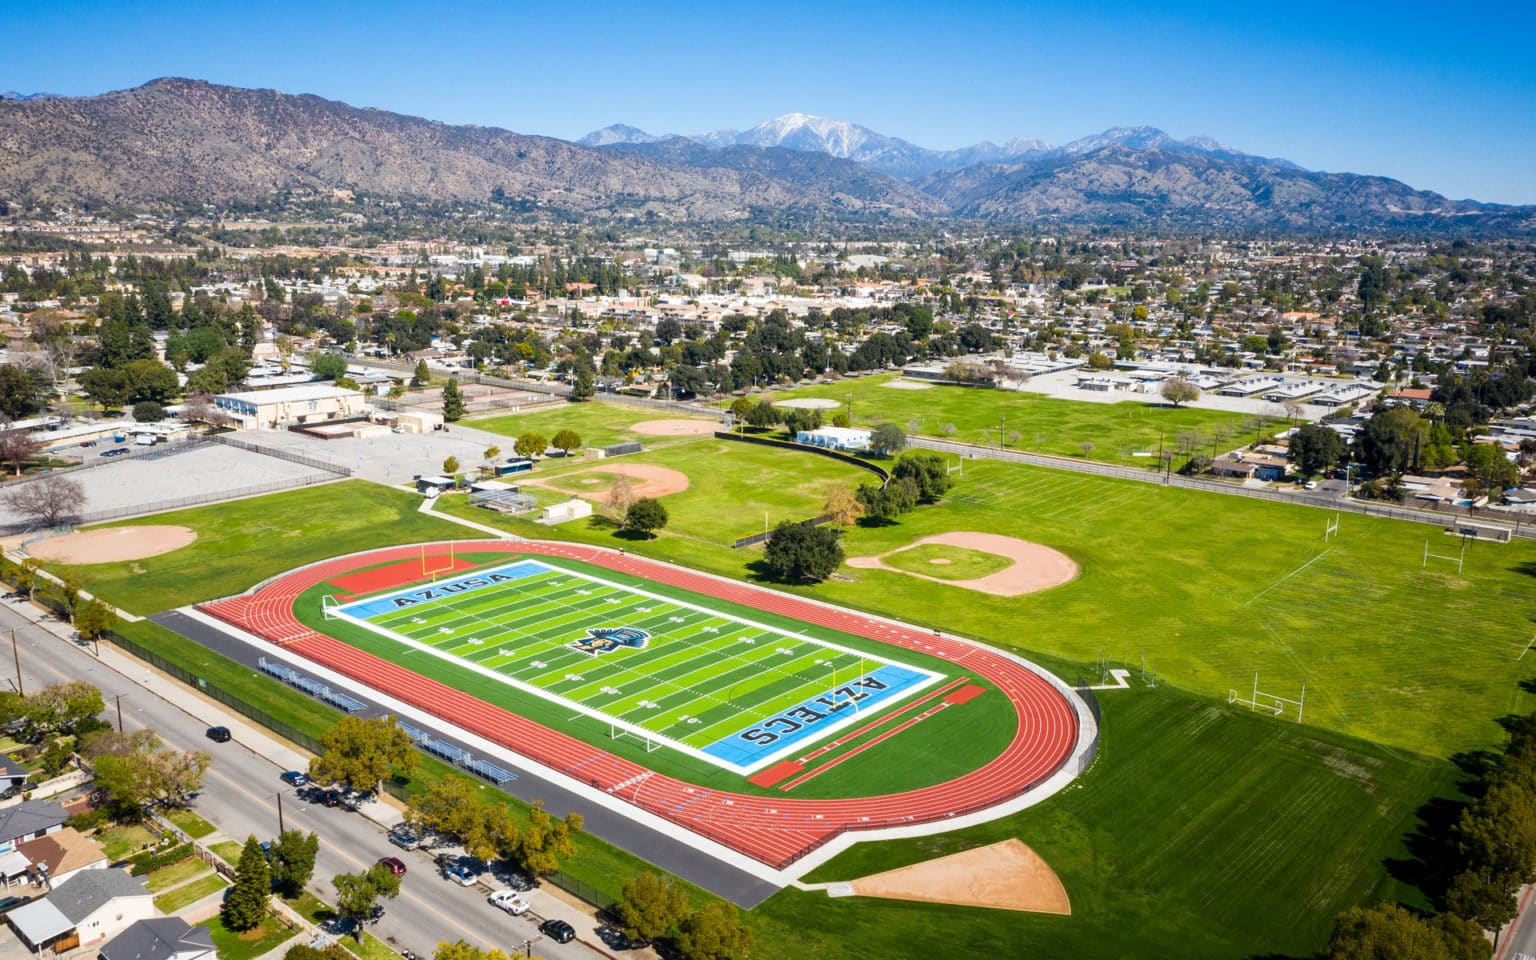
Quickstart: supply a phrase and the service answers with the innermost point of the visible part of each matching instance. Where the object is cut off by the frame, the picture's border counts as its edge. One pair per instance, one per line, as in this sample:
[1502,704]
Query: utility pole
[16,653]
[119,701]
[1001,421]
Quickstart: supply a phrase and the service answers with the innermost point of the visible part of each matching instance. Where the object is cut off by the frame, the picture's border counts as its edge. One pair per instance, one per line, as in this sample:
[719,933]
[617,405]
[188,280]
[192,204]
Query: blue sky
[1442,97]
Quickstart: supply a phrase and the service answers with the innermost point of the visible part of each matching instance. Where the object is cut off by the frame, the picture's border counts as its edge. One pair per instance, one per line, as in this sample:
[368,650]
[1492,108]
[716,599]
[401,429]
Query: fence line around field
[1439,516]
[299,458]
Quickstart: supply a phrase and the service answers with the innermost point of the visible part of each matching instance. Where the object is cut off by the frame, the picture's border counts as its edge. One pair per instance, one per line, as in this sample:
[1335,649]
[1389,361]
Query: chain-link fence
[299,458]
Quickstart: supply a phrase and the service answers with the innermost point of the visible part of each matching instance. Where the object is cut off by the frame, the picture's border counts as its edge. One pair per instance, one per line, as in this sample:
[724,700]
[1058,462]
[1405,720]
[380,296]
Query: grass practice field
[722,689]
[1043,424]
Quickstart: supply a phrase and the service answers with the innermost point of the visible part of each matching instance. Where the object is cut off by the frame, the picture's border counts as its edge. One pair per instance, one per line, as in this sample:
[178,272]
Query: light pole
[279,796]
[119,701]
[16,654]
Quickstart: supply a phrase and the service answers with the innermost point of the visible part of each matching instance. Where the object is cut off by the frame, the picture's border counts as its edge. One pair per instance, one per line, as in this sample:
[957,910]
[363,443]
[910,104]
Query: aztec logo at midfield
[603,639]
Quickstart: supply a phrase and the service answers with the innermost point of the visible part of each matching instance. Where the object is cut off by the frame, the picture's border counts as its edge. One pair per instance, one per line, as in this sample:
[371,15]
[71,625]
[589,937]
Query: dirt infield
[1003,876]
[1035,567]
[648,480]
[112,544]
[675,428]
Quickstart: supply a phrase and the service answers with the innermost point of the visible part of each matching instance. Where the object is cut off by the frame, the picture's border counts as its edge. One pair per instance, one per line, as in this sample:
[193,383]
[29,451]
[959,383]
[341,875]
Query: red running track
[773,830]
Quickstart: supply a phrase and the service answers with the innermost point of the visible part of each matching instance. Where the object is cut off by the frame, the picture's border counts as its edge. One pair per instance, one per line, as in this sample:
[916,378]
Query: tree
[47,501]
[530,445]
[585,387]
[148,411]
[245,906]
[1492,471]
[802,553]
[797,419]
[360,752]
[93,618]
[328,366]
[450,466]
[490,455]
[887,439]
[1087,446]
[106,386]
[621,496]
[545,839]
[357,894]
[454,808]
[293,861]
[842,508]
[458,950]
[650,906]
[133,774]
[1389,932]
[763,415]
[567,440]
[712,932]
[1389,441]
[422,376]
[453,401]
[1179,391]
[646,516]
[17,445]
[740,407]
[149,380]
[18,394]
[896,497]
[1314,448]
[59,708]
[929,471]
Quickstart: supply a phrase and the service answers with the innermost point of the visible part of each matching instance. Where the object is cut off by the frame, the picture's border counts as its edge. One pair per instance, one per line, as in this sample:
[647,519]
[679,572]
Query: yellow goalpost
[435,571]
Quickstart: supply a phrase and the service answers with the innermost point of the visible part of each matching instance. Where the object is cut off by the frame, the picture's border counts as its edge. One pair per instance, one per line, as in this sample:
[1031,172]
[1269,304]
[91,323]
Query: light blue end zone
[446,590]
[810,719]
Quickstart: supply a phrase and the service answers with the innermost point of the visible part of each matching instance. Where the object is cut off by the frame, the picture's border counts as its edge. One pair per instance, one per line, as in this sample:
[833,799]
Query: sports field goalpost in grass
[328,606]
[1269,701]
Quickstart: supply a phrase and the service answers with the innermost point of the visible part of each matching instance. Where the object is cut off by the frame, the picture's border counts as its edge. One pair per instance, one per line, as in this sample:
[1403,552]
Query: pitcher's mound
[1003,876]
[112,544]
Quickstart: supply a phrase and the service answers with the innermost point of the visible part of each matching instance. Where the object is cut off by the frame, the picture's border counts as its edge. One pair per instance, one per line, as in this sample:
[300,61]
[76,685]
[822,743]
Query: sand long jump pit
[1029,567]
[112,544]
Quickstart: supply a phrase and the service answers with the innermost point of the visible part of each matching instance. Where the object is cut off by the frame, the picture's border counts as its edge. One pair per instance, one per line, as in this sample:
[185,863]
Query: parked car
[558,931]
[463,876]
[331,798]
[510,901]
[405,838]
[114,452]
[219,734]
[395,864]
[295,778]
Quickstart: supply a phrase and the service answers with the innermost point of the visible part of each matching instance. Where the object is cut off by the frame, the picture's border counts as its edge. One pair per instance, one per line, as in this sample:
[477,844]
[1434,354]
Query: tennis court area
[732,692]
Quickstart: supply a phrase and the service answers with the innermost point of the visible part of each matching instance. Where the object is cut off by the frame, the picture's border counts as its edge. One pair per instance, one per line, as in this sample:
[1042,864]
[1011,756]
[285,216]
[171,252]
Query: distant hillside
[185,140]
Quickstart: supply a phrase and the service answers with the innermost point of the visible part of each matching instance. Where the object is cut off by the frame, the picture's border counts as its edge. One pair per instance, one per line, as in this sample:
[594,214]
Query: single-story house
[160,938]
[92,905]
[12,774]
[835,438]
[61,854]
[28,820]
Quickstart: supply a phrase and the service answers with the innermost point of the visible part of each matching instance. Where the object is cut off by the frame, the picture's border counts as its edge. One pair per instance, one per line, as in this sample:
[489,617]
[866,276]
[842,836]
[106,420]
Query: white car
[460,875]
[510,901]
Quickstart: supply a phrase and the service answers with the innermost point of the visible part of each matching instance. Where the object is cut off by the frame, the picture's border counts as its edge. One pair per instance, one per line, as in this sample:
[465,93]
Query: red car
[395,865]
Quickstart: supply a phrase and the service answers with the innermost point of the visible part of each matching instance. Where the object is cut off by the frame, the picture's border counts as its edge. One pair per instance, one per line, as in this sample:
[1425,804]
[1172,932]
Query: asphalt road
[240,798]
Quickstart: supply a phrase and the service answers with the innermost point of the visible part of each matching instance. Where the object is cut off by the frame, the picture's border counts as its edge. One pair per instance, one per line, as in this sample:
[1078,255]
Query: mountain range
[174,142]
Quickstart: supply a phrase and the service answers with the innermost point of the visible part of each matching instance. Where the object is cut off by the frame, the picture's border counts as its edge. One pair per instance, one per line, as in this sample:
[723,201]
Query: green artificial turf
[241,543]
[1118,431]
[723,696]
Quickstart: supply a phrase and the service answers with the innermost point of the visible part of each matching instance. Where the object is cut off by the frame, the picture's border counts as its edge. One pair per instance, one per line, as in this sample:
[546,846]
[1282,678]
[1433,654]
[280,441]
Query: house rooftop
[159,938]
[28,817]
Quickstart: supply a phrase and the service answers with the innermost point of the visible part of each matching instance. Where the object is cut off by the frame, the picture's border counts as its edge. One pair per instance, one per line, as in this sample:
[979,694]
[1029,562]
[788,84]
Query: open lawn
[188,820]
[1200,832]
[599,424]
[371,948]
[167,877]
[169,903]
[734,487]
[1044,424]
[123,841]
[229,851]
[239,544]
[231,945]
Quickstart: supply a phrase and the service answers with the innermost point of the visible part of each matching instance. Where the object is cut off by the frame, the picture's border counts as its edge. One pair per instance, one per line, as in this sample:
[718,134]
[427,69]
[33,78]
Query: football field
[722,688]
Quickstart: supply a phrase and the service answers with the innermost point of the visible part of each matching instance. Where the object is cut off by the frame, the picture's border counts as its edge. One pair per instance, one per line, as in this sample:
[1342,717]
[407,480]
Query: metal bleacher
[488,770]
[310,686]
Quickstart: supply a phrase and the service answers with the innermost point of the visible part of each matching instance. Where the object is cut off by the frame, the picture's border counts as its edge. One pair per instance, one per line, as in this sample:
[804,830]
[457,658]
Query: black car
[331,798]
[219,734]
[558,931]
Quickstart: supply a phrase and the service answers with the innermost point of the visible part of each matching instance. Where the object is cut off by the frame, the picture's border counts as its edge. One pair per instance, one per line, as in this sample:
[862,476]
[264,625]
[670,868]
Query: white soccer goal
[328,607]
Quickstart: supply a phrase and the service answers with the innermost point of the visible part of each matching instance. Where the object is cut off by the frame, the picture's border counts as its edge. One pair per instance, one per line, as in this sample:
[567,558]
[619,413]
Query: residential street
[240,798]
